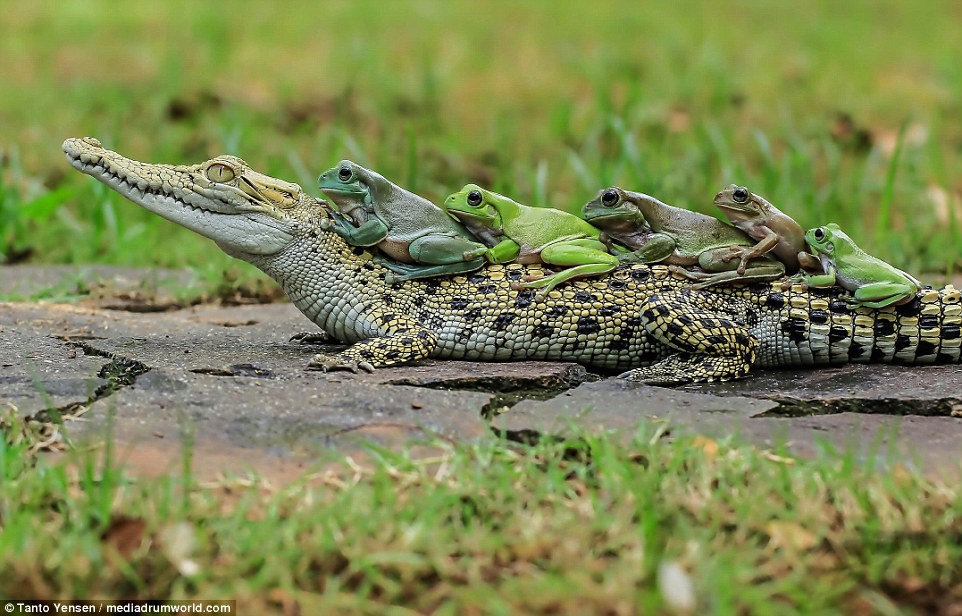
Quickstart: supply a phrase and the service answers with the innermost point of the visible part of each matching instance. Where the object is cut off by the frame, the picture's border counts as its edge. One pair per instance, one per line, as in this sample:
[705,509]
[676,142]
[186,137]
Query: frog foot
[525,282]
[735,252]
[788,283]
[327,363]
[540,294]
[689,273]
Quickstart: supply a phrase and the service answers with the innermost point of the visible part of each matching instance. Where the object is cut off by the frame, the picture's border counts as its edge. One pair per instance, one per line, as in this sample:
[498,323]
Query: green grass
[582,526]
[805,104]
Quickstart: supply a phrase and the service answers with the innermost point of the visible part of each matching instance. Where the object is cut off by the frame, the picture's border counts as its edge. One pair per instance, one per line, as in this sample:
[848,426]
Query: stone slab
[621,408]
[860,388]
[228,380]
[39,373]
[930,444]
[299,420]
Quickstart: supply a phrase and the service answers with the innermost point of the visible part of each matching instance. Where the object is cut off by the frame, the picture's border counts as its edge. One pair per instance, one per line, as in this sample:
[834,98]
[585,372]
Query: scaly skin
[661,233]
[637,317]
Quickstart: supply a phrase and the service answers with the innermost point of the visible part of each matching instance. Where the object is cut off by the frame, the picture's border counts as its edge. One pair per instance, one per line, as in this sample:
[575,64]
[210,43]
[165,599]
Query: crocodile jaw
[238,224]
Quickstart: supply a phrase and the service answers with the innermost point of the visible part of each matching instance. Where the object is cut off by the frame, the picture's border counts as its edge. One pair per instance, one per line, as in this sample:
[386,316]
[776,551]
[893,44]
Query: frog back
[537,226]
[409,216]
[695,232]
[857,267]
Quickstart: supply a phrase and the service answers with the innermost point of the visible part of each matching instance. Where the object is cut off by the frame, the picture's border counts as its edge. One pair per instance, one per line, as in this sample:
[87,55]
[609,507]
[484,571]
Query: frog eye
[819,234]
[219,172]
[610,198]
[740,194]
[475,198]
[345,174]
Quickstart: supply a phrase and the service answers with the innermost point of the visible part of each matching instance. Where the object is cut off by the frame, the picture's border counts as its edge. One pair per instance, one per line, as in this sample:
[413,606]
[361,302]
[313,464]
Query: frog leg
[809,262]
[657,246]
[827,279]
[442,249]
[402,340]
[372,231]
[618,250]
[407,271]
[529,254]
[712,345]
[436,255]
[710,261]
[719,259]
[763,247]
[582,257]
[717,267]
[764,271]
[502,252]
[882,294]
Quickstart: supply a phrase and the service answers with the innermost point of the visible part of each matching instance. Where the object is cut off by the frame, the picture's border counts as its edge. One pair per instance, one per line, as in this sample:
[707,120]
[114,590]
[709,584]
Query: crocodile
[642,320]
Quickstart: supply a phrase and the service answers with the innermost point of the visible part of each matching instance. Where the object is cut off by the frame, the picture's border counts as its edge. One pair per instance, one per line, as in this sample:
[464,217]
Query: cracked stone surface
[927,443]
[296,420]
[229,380]
[622,407]
[38,372]
[859,388]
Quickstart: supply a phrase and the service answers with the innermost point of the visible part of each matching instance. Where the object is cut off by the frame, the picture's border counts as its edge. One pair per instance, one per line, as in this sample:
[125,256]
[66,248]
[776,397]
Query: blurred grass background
[837,112]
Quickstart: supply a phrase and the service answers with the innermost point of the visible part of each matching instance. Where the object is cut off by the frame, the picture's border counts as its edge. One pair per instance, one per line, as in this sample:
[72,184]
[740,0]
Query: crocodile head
[246,213]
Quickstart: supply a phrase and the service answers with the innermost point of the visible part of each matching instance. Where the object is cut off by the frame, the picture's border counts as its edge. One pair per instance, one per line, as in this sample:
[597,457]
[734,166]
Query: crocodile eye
[819,234]
[740,194]
[345,174]
[475,197]
[610,198]
[220,173]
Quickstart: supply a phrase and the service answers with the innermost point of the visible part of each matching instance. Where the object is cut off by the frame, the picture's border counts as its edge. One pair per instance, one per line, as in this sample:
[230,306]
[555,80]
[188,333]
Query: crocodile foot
[312,338]
[656,375]
[685,368]
[327,363]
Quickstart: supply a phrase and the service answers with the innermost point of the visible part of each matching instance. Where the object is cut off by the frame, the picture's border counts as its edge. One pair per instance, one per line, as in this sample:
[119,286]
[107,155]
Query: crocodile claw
[327,363]
[311,338]
[648,376]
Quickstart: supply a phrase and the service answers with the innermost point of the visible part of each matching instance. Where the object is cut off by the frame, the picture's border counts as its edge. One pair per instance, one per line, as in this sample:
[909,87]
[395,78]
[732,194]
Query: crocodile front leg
[402,340]
[712,344]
